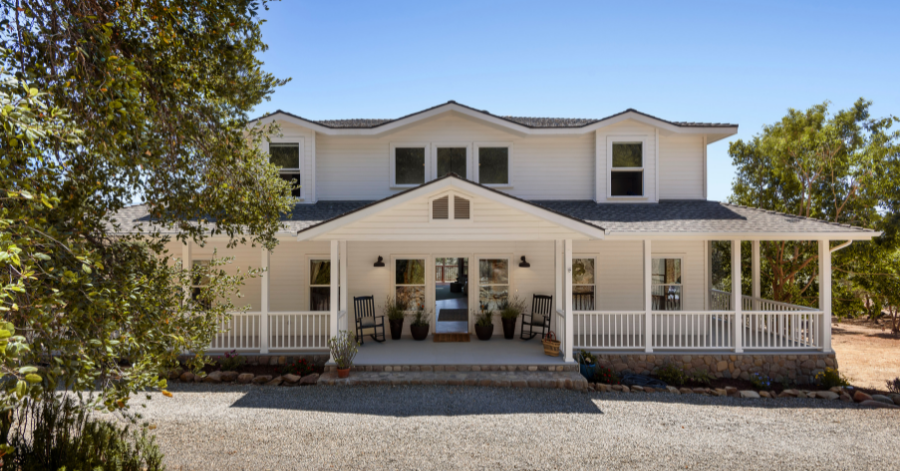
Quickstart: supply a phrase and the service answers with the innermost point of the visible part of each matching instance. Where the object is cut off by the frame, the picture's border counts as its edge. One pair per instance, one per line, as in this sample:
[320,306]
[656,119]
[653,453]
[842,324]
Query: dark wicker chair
[538,318]
[364,310]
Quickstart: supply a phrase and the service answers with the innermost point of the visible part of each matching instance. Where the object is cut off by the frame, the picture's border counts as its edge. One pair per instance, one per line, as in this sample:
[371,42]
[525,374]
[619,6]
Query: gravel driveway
[446,427]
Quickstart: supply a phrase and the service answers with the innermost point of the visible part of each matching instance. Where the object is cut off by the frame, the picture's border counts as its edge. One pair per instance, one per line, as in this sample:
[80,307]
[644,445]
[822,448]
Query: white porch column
[736,297]
[342,286]
[825,292]
[567,275]
[648,297]
[333,283]
[264,304]
[754,257]
[558,276]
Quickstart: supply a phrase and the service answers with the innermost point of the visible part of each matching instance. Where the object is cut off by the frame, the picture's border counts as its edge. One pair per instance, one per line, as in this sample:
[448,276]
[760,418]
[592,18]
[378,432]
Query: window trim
[664,256]
[392,170]
[309,259]
[451,208]
[300,170]
[643,139]
[510,282]
[443,145]
[429,269]
[509,163]
[594,258]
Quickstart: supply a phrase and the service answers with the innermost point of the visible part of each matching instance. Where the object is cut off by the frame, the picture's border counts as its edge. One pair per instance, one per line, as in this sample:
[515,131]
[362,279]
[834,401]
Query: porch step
[502,379]
[451,337]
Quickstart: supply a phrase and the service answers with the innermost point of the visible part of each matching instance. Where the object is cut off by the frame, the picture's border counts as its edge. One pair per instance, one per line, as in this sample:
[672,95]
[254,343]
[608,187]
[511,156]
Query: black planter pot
[396,328]
[509,328]
[484,332]
[419,332]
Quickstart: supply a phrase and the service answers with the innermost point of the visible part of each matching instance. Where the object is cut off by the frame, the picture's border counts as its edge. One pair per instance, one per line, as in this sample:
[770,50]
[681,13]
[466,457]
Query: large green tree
[842,167]
[105,103]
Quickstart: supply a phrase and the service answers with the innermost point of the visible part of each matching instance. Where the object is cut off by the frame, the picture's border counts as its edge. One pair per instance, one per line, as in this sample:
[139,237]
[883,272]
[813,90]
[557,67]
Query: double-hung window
[319,285]
[583,284]
[493,283]
[493,162]
[668,292]
[626,176]
[286,156]
[409,282]
[408,164]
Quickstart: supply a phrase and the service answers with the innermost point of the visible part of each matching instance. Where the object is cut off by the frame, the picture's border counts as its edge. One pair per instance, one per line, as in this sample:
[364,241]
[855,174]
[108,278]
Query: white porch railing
[609,330]
[721,301]
[238,332]
[693,330]
[784,330]
[308,330]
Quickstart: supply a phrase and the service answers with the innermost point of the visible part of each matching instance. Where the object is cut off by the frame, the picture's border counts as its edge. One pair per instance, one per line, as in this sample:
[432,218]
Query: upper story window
[627,172]
[408,164]
[452,160]
[286,155]
[493,162]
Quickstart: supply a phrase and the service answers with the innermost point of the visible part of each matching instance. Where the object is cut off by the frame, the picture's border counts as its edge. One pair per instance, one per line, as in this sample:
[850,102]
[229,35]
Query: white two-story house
[454,210]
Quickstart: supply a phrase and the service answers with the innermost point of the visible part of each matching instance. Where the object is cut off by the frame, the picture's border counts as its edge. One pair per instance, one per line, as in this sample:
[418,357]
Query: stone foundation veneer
[798,368]
[456,368]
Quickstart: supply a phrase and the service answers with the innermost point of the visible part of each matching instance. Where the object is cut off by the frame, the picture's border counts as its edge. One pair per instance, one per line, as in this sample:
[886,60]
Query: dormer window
[626,173]
[450,207]
[286,156]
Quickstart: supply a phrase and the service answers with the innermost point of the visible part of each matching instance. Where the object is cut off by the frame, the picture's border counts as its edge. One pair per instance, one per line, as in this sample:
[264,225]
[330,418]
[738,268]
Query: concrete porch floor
[497,351]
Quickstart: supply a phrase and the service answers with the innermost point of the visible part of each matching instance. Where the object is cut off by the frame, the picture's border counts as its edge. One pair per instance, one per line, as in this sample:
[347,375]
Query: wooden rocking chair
[538,318]
[364,310]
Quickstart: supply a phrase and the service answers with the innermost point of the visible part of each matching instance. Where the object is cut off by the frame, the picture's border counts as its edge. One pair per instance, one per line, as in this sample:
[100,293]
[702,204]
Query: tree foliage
[105,103]
[840,167]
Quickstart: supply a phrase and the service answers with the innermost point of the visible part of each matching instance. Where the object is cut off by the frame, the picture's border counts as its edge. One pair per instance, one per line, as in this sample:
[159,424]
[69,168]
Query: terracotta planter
[419,332]
[509,328]
[343,373]
[396,328]
[484,332]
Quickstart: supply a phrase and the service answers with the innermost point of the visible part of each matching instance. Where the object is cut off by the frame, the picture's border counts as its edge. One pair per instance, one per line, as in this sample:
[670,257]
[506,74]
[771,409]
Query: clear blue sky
[737,62]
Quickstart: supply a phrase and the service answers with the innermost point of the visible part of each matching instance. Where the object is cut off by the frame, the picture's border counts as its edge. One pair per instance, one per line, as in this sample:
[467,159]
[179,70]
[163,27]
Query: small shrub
[894,386]
[300,367]
[231,361]
[484,318]
[586,358]
[760,381]
[830,378]
[395,309]
[671,374]
[605,375]
[512,308]
[59,434]
[701,377]
[422,318]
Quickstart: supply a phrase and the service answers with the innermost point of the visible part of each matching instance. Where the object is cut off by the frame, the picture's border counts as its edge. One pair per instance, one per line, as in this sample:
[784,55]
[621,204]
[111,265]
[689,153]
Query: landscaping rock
[764,394]
[672,390]
[829,395]
[275,381]
[720,392]
[291,379]
[860,396]
[229,376]
[650,390]
[309,379]
[262,379]
[198,378]
[749,394]
[896,398]
[617,387]
[878,405]
[686,391]
[837,389]
[846,397]
[187,377]
[245,378]
[882,398]
[625,388]
[175,374]
[214,377]
[788,393]
[637,388]
[631,379]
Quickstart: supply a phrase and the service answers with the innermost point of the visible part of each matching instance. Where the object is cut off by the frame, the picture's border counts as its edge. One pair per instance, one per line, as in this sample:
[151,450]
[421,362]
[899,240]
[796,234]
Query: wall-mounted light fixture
[524,264]
[380,262]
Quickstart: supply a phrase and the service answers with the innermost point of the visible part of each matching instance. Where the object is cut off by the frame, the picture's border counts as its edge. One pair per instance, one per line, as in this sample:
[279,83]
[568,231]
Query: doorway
[451,295]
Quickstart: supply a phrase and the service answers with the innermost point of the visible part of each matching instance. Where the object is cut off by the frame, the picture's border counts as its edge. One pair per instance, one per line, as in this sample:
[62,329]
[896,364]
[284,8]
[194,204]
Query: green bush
[830,378]
[671,374]
[58,434]
[701,377]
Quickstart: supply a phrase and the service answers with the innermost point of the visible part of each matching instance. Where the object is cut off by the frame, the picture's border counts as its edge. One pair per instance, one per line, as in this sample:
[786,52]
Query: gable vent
[440,208]
[460,208]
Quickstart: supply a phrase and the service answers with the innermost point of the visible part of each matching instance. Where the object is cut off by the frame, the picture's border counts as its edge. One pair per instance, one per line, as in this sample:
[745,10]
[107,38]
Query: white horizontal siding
[680,167]
[245,257]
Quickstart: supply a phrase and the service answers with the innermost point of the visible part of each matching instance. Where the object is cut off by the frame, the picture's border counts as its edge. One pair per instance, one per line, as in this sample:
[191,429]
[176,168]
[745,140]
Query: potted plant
[343,348]
[419,326]
[587,363]
[509,312]
[395,309]
[484,326]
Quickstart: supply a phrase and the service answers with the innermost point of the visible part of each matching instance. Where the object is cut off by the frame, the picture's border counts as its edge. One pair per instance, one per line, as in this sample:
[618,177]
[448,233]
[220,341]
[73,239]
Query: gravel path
[446,427]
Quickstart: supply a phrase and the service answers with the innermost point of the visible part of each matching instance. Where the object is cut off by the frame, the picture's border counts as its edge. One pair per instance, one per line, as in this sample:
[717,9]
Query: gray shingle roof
[530,122]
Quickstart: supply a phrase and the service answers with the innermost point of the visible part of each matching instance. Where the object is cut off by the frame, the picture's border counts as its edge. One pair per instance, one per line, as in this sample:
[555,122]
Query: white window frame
[443,145]
[309,286]
[429,270]
[451,203]
[300,170]
[510,282]
[626,139]
[393,163]
[476,164]
[666,256]
[591,257]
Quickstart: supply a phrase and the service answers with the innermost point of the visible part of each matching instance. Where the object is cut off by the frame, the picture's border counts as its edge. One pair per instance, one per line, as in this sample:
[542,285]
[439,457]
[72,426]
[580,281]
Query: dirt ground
[866,353]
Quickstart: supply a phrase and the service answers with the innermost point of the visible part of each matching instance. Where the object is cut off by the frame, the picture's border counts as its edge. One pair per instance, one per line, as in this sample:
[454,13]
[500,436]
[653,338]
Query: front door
[451,295]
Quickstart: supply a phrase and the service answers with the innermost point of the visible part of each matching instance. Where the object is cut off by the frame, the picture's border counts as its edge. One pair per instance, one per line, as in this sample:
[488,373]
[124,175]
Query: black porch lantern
[380,262]
[524,264]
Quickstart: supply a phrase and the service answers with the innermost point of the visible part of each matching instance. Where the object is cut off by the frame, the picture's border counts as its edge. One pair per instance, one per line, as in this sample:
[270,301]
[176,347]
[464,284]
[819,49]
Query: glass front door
[451,294]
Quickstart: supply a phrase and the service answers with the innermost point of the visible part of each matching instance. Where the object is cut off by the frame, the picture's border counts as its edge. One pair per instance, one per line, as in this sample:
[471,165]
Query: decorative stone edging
[218,377]
[456,368]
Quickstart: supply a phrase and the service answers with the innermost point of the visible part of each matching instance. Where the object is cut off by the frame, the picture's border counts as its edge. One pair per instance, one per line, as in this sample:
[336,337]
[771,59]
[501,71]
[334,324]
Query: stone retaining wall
[457,368]
[798,368]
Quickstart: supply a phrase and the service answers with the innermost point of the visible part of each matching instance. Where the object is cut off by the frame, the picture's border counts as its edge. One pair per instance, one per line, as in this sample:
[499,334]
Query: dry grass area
[866,353]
